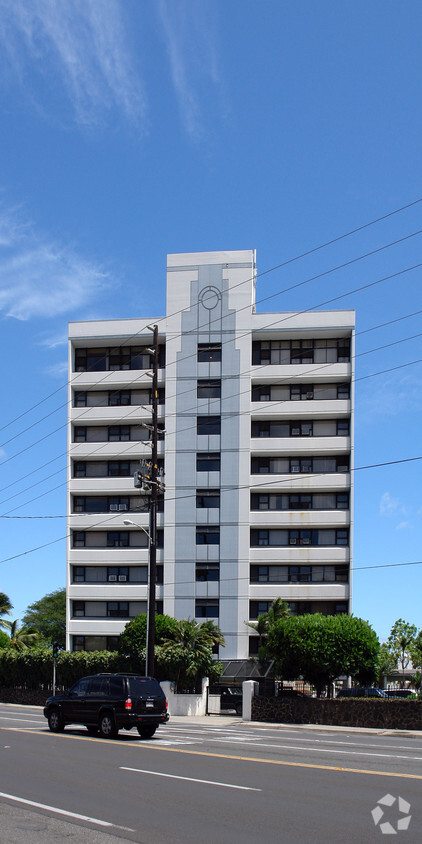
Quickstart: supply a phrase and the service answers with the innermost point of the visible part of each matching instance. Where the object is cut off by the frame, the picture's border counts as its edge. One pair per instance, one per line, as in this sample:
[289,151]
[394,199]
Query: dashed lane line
[156,746]
[190,779]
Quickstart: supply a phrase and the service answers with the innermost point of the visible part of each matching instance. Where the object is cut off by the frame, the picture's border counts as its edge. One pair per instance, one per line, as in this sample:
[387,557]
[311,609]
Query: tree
[320,648]
[47,617]
[132,642]
[188,653]
[20,639]
[386,663]
[5,608]
[4,640]
[401,643]
[278,609]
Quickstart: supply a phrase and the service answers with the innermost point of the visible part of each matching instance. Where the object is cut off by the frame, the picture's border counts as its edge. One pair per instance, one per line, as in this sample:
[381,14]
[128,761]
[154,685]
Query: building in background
[256,442]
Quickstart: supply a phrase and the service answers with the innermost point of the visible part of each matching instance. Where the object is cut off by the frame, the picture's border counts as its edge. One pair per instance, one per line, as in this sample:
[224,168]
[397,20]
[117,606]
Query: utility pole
[153,513]
[146,480]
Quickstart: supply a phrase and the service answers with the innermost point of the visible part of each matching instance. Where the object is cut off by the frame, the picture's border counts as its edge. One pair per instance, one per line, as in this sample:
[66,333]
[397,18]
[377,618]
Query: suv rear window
[140,687]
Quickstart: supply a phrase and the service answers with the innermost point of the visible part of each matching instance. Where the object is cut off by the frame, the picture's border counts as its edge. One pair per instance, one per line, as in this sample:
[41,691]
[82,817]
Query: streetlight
[150,636]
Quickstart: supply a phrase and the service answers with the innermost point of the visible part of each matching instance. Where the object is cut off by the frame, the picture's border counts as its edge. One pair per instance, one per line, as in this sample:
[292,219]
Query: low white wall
[185,704]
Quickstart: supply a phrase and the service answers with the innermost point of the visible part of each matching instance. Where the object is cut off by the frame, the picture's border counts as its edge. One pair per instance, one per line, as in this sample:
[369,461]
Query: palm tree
[188,653]
[278,609]
[21,640]
[5,607]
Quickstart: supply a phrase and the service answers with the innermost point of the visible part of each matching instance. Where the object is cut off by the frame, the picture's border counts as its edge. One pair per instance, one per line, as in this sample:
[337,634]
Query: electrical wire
[249,332]
[266,272]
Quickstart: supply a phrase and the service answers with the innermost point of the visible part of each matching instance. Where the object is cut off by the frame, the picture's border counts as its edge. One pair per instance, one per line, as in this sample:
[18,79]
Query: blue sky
[133,129]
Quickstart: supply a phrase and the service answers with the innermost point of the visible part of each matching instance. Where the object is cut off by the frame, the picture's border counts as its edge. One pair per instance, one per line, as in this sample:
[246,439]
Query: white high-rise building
[256,414]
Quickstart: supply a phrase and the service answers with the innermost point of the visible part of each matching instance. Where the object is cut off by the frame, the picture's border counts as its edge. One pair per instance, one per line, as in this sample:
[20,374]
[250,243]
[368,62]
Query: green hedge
[33,668]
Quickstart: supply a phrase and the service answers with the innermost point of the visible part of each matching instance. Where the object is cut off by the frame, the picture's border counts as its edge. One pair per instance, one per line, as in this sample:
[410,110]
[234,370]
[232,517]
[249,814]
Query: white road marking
[28,720]
[324,750]
[64,812]
[191,779]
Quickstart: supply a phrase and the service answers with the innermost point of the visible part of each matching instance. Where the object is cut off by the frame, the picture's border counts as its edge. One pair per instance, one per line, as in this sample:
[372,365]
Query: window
[94,643]
[207,572]
[78,574]
[278,538]
[301,392]
[281,352]
[79,469]
[343,428]
[207,535]
[208,498]
[208,425]
[78,538]
[118,609]
[208,462]
[253,645]
[117,539]
[209,352]
[116,358]
[116,398]
[206,608]
[257,608]
[118,468]
[343,391]
[80,434]
[117,574]
[119,433]
[208,389]
[80,399]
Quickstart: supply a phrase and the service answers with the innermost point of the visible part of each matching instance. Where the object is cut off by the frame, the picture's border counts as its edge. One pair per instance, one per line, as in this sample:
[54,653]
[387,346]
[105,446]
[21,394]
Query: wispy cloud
[40,278]
[189,32]
[403,525]
[399,393]
[388,505]
[82,43]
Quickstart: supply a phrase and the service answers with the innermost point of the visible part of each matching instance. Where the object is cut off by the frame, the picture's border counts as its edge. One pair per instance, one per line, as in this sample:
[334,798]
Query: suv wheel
[55,721]
[147,731]
[238,708]
[107,726]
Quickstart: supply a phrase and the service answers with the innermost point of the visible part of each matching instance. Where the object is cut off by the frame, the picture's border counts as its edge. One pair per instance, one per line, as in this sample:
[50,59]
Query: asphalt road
[218,780]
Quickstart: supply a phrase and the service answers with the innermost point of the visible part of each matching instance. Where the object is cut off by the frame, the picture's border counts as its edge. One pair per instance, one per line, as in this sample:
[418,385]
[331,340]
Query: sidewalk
[236,722]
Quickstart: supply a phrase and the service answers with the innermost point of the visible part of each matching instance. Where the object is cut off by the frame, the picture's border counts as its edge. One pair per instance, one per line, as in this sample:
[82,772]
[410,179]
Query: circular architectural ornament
[209,297]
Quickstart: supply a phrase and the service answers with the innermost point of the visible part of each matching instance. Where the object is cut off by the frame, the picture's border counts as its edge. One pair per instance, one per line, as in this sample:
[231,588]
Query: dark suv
[106,703]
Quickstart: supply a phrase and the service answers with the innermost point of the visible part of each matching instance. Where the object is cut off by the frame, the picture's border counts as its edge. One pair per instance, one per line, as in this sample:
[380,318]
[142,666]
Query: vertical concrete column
[249,689]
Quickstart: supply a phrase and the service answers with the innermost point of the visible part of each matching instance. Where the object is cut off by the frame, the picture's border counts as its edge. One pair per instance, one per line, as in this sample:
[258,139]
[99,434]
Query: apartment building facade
[256,448]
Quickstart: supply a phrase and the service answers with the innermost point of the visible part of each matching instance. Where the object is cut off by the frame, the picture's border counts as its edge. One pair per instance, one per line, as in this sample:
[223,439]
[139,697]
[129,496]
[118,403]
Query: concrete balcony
[114,450]
[299,446]
[308,373]
[104,486]
[116,379]
[299,555]
[298,482]
[97,626]
[109,592]
[116,415]
[297,519]
[312,409]
[299,591]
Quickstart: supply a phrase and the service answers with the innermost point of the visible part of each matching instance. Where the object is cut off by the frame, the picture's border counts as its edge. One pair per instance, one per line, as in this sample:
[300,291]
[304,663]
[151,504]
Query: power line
[122,453]
[63,454]
[249,332]
[106,521]
[266,272]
